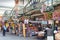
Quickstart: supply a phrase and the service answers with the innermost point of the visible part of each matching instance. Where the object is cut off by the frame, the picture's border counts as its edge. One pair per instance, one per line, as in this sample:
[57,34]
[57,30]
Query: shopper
[4,30]
[27,30]
[21,27]
[40,28]
[16,28]
[49,33]
[40,33]
[56,27]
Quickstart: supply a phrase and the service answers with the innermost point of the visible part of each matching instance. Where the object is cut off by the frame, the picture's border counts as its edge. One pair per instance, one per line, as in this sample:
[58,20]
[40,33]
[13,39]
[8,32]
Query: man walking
[4,30]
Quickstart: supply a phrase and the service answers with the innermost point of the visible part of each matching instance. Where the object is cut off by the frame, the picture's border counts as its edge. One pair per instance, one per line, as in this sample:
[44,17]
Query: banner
[16,1]
[56,15]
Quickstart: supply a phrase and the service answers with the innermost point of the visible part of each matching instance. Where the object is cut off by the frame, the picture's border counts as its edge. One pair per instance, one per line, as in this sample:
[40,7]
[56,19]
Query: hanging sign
[44,22]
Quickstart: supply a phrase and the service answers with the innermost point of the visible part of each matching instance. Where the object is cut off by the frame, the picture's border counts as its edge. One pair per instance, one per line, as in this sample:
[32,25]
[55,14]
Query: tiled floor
[9,36]
[13,37]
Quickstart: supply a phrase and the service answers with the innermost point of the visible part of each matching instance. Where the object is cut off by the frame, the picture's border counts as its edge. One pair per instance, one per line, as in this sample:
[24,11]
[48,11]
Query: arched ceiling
[8,5]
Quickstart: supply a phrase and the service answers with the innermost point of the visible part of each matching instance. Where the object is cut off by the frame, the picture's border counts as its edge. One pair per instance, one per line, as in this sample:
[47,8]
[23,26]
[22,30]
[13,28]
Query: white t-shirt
[26,21]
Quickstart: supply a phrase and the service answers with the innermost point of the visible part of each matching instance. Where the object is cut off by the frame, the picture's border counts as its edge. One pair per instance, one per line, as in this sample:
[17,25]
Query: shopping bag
[13,31]
[50,38]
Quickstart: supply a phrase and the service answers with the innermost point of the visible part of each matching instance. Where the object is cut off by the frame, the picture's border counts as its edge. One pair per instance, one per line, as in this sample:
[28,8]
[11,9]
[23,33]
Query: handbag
[41,33]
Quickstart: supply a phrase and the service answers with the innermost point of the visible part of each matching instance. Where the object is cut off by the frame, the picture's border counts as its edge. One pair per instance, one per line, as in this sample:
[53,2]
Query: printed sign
[44,22]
